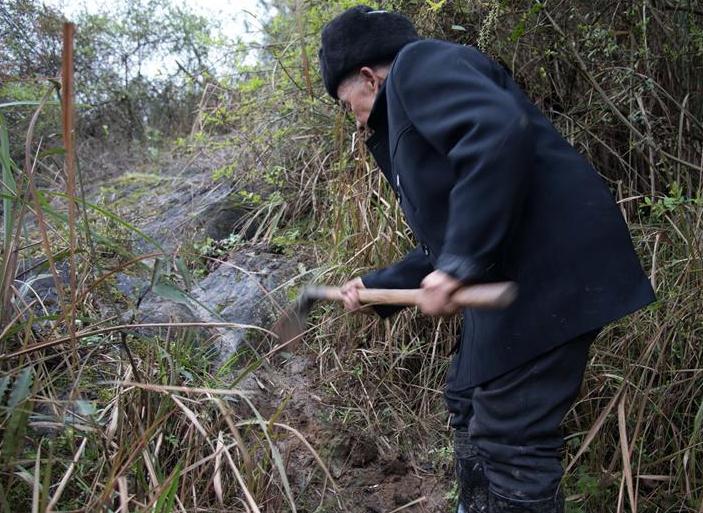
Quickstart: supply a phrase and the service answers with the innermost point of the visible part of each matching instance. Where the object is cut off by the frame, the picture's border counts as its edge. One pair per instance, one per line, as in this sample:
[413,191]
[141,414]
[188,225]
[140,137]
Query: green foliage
[30,37]
[18,100]
[117,51]
[599,41]
[521,26]
[15,413]
[219,117]
[285,240]
[165,502]
[452,495]
[666,205]
[217,248]
[253,85]
[275,176]
[9,187]
[697,39]
[442,457]
[435,5]
[250,198]
[226,171]
[589,485]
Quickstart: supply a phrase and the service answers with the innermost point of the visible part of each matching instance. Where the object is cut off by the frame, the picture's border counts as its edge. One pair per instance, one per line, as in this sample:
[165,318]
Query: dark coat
[493,192]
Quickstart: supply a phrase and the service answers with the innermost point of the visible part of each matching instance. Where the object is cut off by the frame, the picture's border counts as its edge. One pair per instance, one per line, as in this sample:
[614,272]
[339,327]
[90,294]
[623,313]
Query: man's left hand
[437,290]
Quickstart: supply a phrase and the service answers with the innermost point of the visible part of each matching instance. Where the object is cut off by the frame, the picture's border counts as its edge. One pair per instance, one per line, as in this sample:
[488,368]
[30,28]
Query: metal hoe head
[291,325]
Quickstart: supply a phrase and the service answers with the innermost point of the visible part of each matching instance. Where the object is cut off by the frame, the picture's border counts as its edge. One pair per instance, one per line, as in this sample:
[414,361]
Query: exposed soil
[369,479]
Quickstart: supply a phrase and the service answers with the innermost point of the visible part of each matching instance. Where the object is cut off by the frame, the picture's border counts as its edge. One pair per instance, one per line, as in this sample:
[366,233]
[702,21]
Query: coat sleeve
[484,133]
[404,274]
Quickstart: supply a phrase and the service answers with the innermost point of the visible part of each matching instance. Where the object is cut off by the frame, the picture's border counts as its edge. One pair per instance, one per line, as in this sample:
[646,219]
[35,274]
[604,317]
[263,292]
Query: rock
[186,209]
[239,292]
[189,204]
[175,204]
[35,282]
[131,287]
[221,219]
[157,310]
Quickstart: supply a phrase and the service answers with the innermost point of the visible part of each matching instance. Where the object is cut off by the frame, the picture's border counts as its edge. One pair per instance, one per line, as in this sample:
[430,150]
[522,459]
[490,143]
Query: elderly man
[491,192]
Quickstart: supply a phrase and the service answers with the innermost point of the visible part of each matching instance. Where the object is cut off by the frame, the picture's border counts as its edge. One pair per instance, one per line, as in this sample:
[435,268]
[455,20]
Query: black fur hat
[361,36]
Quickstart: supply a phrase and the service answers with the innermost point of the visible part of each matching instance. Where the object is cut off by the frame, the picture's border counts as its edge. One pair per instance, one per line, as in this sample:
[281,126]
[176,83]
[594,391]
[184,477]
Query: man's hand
[437,290]
[350,293]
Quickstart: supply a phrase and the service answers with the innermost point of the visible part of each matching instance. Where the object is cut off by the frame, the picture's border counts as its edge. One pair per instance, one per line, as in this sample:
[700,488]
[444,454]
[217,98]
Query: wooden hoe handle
[484,295]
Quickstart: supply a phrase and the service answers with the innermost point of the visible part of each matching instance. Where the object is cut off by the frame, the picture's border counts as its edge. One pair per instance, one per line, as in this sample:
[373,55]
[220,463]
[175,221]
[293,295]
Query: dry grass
[129,424]
[96,414]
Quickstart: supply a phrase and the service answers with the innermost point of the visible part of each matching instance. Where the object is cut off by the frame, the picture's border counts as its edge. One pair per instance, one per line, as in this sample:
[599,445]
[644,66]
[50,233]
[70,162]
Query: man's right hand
[350,294]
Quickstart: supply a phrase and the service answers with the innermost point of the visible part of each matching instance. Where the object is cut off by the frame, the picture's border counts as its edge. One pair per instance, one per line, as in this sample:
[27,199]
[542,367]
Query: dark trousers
[511,424]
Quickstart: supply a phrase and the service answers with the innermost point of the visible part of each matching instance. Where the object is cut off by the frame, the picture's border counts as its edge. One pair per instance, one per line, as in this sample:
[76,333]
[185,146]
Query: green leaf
[184,272]
[435,6]
[85,408]
[26,104]
[4,382]
[9,185]
[168,290]
[52,151]
[164,504]
[16,425]
[21,388]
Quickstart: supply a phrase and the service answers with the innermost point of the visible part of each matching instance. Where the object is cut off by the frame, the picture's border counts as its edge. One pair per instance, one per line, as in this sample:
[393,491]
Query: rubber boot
[499,504]
[473,484]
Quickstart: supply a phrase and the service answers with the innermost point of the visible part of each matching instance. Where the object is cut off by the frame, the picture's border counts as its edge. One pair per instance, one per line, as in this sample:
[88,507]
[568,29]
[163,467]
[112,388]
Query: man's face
[358,92]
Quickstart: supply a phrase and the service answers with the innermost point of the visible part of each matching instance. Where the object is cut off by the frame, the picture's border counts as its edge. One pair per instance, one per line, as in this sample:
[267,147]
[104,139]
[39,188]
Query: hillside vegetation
[99,412]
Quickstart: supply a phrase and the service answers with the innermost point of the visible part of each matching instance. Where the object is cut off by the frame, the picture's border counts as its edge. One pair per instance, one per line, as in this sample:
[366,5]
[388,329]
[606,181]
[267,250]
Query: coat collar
[378,117]
[377,142]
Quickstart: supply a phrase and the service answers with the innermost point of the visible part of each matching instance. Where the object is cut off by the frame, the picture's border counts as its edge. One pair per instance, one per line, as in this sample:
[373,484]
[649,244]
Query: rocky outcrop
[248,289]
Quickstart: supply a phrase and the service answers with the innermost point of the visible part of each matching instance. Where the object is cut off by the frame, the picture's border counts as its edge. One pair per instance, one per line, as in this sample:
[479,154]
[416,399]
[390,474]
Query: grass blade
[17,415]
[625,450]
[36,487]
[20,391]
[4,382]
[67,475]
[217,477]
[165,502]
[9,187]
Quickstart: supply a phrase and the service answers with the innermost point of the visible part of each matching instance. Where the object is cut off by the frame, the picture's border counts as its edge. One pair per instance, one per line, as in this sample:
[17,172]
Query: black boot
[499,504]
[473,485]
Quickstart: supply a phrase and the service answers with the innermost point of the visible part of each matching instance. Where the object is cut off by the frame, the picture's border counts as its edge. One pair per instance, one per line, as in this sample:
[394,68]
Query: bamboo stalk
[67,105]
[303,52]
